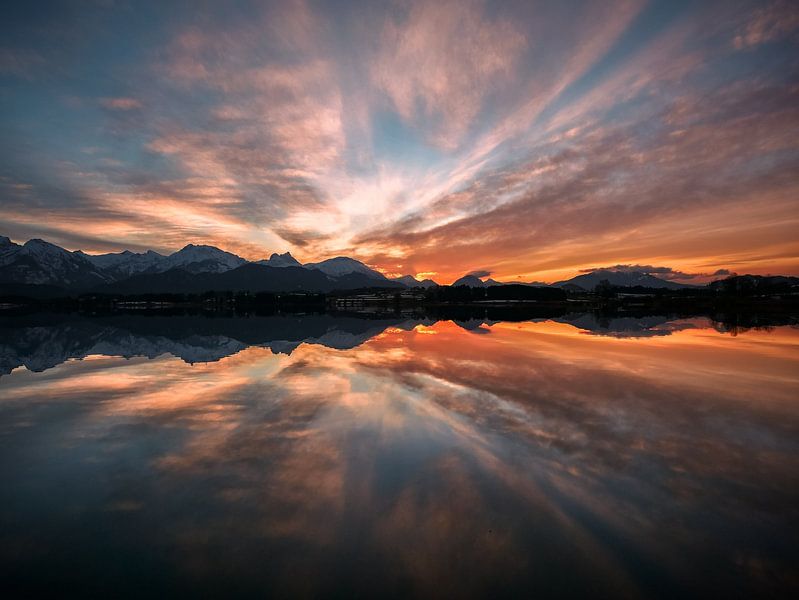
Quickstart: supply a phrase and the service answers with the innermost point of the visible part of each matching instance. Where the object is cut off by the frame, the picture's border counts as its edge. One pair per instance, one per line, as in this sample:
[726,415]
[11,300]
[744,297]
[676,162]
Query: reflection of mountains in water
[626,326]
[40,341]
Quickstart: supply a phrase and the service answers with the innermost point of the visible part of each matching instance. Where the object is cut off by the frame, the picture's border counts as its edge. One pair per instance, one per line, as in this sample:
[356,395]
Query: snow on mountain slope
[280,260]
[40,262]
[195,259]
[200,259]
[124,264]
[7,250]
[342,265]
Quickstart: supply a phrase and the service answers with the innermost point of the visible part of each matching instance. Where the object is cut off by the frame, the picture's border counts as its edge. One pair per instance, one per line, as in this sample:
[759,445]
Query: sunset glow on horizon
[525,141]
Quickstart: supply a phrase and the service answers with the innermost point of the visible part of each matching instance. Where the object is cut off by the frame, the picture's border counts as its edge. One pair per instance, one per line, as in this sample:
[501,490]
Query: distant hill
[469,281]
[412,282]
[588,281]
[474,281]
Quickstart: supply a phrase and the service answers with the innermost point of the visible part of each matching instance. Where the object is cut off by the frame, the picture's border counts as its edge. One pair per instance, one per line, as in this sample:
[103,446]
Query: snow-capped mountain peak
[40,262]
[280,260]
[125,263]
[343,265]
[201,258]
[7,250]
[38,247]
[470,281]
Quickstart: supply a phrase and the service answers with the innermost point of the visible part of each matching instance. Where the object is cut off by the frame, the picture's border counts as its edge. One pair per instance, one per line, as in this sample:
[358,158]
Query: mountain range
[38,267]
[474,281]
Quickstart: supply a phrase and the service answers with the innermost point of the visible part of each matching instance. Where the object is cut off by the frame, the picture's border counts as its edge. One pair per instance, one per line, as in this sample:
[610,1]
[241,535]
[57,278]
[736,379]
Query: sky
[521,140]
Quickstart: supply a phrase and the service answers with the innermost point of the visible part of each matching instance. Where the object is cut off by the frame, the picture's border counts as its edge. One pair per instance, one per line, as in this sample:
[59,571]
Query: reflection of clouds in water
[632,416]
[42,342]
[431,462]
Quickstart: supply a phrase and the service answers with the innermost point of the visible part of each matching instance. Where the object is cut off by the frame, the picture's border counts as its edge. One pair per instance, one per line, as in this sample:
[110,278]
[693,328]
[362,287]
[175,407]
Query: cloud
[120,103]
[20,62]
[770,23]
[300,238]
[480,273]
[662,272]
[439,61]
[691,178]
[539,139]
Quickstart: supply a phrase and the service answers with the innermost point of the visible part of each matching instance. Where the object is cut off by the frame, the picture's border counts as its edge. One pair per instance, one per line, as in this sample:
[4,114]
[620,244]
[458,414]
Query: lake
[319,456]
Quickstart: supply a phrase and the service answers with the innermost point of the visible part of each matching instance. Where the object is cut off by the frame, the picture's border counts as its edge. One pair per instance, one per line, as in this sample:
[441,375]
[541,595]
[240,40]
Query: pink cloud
[769,23]
[120,103]
[439,62]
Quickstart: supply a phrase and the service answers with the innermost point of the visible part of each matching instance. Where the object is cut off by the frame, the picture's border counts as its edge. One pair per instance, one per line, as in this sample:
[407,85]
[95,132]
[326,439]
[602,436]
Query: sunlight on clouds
[431,137]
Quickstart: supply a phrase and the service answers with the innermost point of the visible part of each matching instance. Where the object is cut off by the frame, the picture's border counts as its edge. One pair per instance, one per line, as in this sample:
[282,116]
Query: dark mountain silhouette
[39,269]
[474,281]
[469,281]
[412,282]
[589,281]
[280,260]
[251,277]
[43,270]
[493,282]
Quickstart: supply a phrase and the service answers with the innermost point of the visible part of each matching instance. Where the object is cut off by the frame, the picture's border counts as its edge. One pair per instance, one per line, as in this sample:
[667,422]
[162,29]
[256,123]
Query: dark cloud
[662,272]
[300,238]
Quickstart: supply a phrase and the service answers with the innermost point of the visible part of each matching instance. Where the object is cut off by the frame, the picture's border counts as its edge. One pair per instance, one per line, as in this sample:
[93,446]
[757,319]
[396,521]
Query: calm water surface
[342,457]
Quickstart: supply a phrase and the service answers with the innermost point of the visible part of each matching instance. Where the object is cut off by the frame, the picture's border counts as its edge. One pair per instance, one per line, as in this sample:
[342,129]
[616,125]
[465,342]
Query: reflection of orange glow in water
[686,358]
[410,437]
